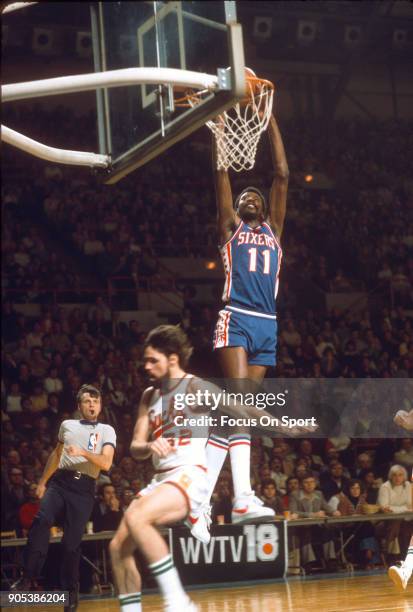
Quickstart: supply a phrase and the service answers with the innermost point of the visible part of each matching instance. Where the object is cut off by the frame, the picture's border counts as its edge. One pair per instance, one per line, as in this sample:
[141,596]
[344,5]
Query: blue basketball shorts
[257,334]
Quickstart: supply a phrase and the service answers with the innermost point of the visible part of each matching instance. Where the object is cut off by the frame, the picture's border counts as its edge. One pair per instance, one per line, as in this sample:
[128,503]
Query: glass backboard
[138,122]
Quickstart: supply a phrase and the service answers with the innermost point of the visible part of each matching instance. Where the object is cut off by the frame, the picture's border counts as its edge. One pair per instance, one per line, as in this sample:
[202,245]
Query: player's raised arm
[279,187]
[227,217]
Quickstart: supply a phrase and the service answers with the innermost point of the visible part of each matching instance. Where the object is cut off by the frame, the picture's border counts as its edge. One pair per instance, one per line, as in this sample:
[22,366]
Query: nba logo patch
[93,440]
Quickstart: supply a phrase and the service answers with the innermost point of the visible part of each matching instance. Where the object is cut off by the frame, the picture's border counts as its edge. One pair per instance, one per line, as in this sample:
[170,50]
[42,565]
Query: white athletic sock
[409,559]
[169,582]
[216,453]
[130,602]
[240,453]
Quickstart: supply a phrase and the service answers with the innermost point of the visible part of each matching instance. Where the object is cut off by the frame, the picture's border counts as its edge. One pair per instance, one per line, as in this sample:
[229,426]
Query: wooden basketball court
[347,594]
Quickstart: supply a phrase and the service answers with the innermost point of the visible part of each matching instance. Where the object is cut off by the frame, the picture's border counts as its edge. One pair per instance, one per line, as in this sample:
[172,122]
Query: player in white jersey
[180,481]
[180,484]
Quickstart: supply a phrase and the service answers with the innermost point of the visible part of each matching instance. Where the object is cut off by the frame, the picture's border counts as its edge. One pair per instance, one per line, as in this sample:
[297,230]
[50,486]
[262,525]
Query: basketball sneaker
[248,508]
[399,575]
[200,525]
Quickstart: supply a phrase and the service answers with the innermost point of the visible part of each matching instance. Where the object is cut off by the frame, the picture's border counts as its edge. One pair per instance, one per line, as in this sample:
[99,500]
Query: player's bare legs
[163,506]
[166,504]
[400,575]
[121,550]
[234,364]
[235,367]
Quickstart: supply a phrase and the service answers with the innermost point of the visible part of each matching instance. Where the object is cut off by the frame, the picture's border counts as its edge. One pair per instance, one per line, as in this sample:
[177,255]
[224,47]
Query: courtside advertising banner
[235,553]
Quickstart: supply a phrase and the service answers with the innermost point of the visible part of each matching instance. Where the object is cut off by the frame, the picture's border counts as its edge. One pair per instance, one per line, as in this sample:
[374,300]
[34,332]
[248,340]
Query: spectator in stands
[292,484]
[35,337]
[13,459]
[404,456]
[371,485]
[136,485]
[130,469]
[26,455]
[107,513]
[364,546]
[305,449]
[53,383]
[25,379]
[118,481]
[14,399]
[278,475]
[310,503]
[59,340]
[28,509]
[395,496]
[291,336]
[39,400]
[330,367]
[364,462]
[333,481]
[127,497]
[270,495]
[16,492]
[222,502]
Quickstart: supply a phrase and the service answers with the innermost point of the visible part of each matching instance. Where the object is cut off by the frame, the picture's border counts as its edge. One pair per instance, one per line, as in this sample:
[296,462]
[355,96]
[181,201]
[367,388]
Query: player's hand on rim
[161,447]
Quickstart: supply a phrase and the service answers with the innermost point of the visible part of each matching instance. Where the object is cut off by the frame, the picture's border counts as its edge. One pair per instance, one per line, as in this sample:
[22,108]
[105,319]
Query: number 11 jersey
[252,260]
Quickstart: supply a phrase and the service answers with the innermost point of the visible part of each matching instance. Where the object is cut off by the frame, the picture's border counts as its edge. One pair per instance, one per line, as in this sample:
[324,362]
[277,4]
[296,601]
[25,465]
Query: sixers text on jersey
[252,261]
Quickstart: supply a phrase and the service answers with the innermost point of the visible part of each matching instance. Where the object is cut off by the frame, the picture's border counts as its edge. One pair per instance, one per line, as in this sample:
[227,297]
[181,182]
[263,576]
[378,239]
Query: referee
[84,448]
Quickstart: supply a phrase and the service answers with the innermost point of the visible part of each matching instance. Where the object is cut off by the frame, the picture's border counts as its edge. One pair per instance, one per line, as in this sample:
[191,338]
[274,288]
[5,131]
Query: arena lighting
[210,265]
[306,31]
[262,28]
[308,178]
[352,36]
[84,44]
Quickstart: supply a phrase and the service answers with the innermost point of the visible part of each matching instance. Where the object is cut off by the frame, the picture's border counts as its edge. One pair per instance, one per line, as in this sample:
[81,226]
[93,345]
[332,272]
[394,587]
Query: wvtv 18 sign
[234,553]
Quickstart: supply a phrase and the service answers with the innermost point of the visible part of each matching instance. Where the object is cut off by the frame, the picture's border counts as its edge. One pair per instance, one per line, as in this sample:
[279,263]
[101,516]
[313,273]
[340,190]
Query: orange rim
[184,101]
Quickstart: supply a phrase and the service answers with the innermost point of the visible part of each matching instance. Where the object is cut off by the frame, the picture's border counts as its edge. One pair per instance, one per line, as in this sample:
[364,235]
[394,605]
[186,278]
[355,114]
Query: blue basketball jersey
[252,260]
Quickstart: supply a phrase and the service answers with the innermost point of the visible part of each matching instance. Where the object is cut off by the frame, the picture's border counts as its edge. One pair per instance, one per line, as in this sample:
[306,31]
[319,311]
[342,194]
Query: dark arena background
[89,268]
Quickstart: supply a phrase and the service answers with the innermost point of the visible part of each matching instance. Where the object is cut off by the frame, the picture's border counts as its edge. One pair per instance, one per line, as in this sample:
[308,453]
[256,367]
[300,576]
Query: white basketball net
[239,131]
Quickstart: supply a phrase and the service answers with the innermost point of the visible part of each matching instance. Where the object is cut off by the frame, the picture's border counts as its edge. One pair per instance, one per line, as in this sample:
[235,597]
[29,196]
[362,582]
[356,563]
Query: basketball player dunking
[246,332]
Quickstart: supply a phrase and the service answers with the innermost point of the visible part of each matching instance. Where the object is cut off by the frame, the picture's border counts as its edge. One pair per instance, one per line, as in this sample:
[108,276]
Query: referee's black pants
[69,499]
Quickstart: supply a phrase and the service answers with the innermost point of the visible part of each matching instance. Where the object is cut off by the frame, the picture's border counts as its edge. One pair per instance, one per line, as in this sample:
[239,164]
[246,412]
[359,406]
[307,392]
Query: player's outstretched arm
[279,187]
[227,217]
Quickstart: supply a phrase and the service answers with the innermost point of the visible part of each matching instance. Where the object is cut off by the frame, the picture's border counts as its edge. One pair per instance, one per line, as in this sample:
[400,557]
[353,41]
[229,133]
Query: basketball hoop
[237,131]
